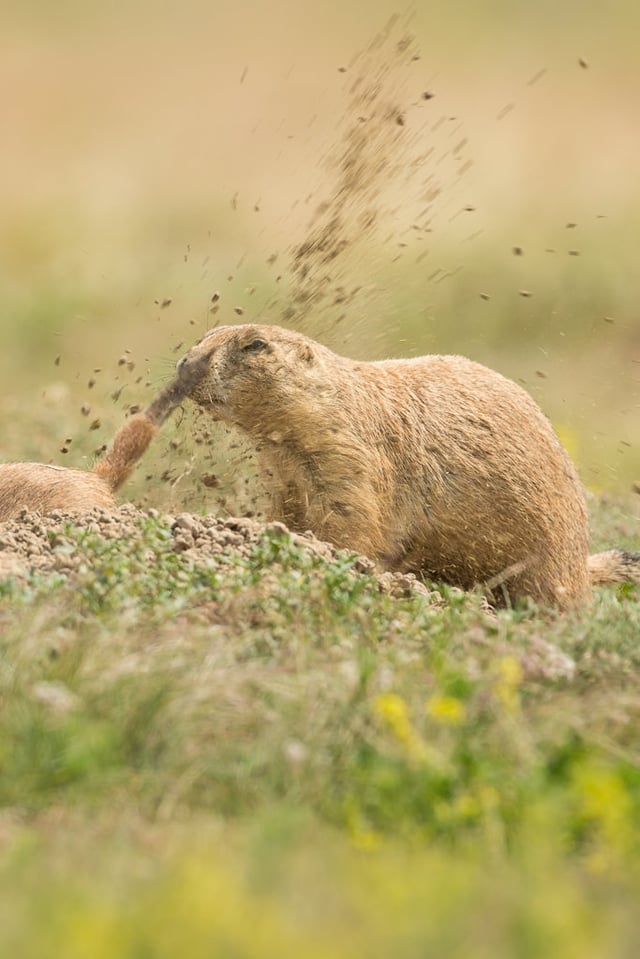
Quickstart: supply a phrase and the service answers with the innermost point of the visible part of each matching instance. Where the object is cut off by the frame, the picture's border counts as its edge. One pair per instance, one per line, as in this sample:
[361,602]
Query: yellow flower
[446,710]
[605,802]
[508,682]
[466,806]
[392,709]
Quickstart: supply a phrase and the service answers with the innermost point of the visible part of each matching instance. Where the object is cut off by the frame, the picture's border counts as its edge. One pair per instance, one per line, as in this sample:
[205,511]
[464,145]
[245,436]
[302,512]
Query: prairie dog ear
[305,352]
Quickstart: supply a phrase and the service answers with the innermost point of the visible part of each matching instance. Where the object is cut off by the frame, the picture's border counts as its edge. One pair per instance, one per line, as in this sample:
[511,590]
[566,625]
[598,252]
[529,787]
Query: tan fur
[130,442]
[44,488]
[436,465]
[614,566]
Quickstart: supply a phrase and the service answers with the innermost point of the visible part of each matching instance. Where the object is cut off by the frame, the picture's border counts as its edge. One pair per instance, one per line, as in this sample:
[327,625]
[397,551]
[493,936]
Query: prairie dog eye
[254,346]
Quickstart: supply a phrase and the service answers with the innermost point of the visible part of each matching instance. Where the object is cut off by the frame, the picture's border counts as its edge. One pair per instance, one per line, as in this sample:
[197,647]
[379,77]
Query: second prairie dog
[435,465]
[44,488]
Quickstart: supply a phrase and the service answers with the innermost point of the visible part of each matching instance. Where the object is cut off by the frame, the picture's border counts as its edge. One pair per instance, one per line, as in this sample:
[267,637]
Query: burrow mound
[34,544]
[63,544]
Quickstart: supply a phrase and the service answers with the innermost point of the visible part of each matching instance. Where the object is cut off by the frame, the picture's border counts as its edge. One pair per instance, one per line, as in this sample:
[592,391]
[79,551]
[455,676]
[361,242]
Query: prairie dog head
[256,374]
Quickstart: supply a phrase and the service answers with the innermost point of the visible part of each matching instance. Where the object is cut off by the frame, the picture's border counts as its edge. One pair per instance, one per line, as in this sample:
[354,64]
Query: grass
[267,756]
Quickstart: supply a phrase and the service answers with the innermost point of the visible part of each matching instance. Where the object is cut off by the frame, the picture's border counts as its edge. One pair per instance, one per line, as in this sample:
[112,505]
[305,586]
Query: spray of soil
[393,175]
[392,170]
[395,168]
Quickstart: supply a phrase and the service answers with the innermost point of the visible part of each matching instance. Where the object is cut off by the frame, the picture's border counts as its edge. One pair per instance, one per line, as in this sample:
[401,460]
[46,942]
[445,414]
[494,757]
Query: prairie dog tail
[614,566]
[129,444]
[132,439]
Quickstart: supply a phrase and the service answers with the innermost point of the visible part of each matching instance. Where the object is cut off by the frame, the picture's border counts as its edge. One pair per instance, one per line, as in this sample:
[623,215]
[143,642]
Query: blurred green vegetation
[265,756]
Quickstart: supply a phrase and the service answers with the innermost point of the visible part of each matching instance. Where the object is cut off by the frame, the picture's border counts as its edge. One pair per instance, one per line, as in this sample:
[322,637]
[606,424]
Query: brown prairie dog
[44,488]
[435,465]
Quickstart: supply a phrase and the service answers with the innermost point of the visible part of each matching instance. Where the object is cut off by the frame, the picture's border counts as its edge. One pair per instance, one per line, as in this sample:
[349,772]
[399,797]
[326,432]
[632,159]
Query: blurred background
[452,177]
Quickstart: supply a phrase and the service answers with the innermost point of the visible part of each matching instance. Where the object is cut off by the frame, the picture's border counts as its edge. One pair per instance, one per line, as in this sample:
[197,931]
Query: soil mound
[37,544]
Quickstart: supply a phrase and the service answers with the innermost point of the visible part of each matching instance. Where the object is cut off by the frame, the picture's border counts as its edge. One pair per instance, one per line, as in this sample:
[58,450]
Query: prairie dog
[435,465]
[44,488]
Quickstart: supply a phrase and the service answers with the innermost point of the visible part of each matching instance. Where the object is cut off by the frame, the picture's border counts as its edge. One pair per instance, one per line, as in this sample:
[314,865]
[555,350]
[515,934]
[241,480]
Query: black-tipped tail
[614,566]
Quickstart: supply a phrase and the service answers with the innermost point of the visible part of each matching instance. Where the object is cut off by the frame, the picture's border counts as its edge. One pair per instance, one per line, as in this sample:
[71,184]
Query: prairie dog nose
[191,368]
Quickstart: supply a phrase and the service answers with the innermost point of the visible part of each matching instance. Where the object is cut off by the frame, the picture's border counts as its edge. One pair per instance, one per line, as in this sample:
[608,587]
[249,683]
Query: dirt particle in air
[210,480]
